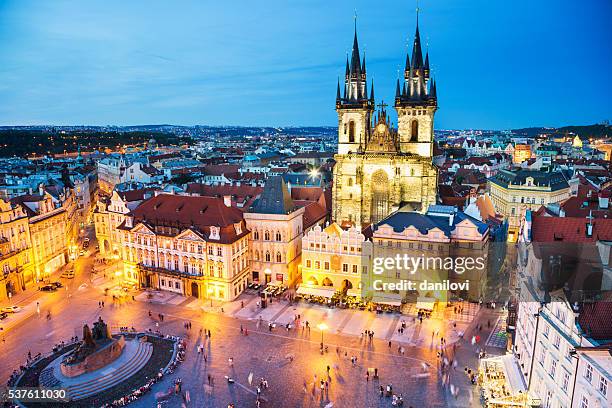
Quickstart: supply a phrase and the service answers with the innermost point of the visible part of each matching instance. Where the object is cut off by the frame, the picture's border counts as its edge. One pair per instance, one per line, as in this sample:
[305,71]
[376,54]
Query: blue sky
[498,64]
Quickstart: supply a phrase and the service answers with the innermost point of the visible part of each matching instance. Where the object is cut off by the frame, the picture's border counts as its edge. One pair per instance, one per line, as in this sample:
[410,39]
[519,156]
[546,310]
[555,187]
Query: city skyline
[111,65]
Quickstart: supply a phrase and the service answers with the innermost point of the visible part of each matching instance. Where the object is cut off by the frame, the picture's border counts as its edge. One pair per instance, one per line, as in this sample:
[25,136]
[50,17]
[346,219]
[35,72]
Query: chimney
[227,200]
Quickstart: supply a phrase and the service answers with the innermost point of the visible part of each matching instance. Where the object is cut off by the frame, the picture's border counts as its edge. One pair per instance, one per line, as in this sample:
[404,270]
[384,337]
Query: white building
[142,173]
[594,378]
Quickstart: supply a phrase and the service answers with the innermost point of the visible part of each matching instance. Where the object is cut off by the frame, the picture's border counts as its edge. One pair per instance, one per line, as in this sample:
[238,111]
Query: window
[317,264]
[557,340]
[542,356]
[308,263]
[351,132]
[553,368]
[267,256]
[344,267]
[163,282]
[588,373]
[565,381]
[266,236]
[256,234]
[219,251]
[603,386]
[549,398]
[278,236]
[546,329]
[210,250]
[584,403]
[415,130]
[278,257]
[177,285]
[355,269]
[327,266]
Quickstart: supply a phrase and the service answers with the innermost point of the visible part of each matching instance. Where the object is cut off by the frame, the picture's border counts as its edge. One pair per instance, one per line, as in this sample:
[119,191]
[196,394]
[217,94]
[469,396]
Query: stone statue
[100,330]
[88,340]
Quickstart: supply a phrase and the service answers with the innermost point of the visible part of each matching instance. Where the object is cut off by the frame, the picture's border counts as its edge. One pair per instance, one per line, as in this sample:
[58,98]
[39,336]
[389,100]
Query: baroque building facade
[380,169]
[193,246]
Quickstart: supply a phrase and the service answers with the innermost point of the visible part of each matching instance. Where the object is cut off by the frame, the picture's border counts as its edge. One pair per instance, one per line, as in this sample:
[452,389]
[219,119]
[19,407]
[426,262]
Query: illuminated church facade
[379,168]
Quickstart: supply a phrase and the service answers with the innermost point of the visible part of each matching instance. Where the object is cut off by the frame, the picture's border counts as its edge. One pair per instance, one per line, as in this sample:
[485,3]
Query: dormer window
[214,233]
[238,228]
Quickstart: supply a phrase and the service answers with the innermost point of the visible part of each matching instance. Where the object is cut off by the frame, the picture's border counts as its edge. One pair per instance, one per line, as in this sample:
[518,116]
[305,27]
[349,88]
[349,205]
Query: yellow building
[515,192]
[16,266]
[189,245]
[109,213]
[521,153]
[436,239]
[333,260]
[48,232]
[378,168]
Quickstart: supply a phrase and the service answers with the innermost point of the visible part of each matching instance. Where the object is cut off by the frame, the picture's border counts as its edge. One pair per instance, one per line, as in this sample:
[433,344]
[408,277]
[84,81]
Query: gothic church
[380,169]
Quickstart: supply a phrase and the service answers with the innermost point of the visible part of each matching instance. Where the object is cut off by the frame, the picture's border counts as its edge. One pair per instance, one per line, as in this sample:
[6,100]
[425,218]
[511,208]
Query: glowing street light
[210,292]
[322,327]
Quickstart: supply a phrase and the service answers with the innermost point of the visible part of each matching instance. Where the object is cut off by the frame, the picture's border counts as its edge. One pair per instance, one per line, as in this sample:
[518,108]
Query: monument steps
[47,378]
[126,370]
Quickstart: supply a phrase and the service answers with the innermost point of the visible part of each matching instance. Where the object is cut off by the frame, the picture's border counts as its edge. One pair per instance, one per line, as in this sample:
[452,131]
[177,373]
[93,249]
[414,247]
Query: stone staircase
[117,375]
[47,379]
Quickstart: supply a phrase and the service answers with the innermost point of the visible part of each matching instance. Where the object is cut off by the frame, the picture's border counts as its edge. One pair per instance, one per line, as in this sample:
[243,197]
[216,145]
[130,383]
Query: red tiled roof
[313,213]
[244,194]
[197,213]
[594,319]
[569,229]
[135,195]
[306,193]
[219,169]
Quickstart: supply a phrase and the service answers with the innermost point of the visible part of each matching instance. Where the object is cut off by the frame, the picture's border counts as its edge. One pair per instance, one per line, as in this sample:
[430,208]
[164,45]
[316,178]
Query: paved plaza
[287,359]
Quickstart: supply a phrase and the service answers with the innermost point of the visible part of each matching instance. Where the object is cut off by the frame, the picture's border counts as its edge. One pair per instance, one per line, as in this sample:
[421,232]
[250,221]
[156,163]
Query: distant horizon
[335,126]
[497,65]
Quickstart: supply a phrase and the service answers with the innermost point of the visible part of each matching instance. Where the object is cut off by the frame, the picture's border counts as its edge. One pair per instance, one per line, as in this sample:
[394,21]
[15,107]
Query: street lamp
[322,327]
[210,292]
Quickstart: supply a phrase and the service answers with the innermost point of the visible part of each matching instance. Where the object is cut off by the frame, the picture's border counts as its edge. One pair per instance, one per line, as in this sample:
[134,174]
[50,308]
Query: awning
[353,292]
[316,291]
[426,303]
[389,299]
[508,365]
[514,378]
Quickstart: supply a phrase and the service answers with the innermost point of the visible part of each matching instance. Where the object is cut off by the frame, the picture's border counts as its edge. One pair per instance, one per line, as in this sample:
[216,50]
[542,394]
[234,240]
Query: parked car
[3,315]
[48,288]
[10,309]
[82,253]
[57,284]
[68,274]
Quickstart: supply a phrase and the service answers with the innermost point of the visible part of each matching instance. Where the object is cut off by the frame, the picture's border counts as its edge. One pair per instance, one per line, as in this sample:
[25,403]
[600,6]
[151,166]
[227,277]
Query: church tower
[380,169]
[353,105]
[416,103]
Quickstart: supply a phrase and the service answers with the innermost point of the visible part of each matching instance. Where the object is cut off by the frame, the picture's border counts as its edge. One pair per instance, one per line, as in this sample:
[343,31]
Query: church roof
[275,198]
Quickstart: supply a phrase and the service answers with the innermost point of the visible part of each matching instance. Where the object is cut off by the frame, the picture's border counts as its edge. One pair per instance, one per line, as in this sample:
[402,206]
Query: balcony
[168,272]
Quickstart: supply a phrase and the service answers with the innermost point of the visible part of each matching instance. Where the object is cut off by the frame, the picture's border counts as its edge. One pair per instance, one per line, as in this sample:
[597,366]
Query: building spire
[348,70]
[397,89]
[372,92]
[417,54]
[355,60]
[338,91]
[426,67]
[363,64]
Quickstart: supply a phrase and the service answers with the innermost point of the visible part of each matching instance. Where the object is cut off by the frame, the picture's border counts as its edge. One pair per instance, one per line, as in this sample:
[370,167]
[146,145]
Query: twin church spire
[355,91]
[417,88]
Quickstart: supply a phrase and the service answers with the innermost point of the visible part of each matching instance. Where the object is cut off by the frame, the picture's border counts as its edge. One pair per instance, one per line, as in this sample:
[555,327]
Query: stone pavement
[351,322]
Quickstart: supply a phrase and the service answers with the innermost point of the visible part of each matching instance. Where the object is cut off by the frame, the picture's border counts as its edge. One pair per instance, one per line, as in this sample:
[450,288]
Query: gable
[189,235]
